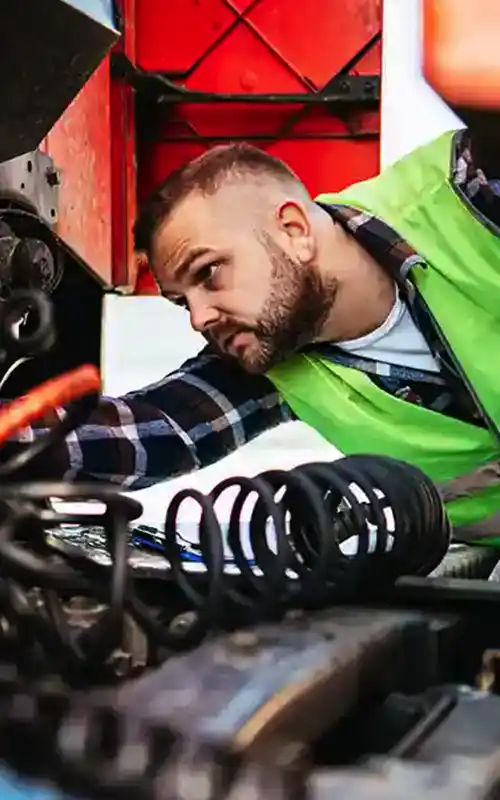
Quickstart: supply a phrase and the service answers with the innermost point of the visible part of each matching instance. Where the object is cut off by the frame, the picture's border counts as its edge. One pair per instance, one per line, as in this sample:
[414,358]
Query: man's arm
[188,420]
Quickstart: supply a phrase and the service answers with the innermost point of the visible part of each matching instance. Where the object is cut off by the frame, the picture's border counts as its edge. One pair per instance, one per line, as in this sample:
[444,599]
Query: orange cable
[52,393]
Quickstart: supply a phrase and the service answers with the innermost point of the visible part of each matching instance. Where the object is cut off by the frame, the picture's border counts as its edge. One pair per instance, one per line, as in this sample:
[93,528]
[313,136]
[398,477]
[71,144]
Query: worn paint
[80,145]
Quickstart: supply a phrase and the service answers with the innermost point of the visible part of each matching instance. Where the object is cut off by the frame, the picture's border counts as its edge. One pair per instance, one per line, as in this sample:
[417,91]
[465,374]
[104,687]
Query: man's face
[246,274]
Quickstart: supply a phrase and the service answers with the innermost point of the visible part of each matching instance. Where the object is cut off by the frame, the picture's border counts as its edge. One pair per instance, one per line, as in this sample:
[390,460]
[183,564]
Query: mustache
[220,333]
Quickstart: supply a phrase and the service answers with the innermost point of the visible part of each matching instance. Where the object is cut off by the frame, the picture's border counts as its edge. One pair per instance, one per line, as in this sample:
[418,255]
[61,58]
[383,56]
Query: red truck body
[315,67]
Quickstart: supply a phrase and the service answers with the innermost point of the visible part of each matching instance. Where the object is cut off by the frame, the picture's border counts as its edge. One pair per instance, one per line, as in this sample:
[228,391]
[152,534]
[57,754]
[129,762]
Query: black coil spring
[299,524]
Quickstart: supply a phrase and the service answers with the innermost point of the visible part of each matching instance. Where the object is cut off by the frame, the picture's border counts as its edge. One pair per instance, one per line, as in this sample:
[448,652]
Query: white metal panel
[412,112]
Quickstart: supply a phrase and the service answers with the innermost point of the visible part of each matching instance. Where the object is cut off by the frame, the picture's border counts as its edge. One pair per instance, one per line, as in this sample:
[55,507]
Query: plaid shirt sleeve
[188,420]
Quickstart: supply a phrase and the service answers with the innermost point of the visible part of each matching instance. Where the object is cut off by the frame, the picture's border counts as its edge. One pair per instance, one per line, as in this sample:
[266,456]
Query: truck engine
[353,651]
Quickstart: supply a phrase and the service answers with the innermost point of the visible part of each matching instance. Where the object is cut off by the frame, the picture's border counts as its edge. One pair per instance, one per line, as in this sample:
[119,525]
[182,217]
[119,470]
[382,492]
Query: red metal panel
[317,37]
[328,164]
[123,158]
[93,145]
[173,34]
[262,46]
[80,144]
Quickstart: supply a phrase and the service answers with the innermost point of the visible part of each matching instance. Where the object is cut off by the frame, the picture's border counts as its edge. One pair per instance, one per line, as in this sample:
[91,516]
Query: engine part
[31,268]
[34,259]
[26,325]
[471,728]
[460,778]
[463,561]
[103,745]
[286,682]
[31,181]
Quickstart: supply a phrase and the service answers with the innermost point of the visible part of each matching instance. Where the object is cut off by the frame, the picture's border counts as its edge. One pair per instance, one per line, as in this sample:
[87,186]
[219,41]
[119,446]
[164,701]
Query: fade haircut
[205,175]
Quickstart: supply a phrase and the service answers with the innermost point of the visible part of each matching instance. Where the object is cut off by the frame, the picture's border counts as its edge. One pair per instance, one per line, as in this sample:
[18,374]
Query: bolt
[182,623]
[53,177]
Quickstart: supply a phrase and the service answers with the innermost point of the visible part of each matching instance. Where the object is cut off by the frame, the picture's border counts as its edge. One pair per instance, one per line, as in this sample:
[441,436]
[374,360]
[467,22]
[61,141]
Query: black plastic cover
[48,50]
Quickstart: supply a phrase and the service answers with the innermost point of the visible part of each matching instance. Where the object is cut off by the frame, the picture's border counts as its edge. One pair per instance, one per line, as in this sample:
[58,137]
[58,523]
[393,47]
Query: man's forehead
[196,213]
[207,220]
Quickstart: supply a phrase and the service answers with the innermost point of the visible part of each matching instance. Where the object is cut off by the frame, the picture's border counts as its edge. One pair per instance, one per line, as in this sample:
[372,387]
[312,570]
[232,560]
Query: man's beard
[297,307]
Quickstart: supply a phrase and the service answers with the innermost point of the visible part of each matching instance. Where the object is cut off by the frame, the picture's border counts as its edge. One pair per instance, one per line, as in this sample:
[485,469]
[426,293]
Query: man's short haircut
[205,175]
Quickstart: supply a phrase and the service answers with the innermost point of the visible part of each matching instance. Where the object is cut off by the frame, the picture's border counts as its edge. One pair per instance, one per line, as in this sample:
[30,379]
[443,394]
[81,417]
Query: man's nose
[202,315]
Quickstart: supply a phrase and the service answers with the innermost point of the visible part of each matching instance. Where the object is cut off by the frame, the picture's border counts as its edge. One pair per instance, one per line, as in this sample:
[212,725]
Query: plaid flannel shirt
[197,415]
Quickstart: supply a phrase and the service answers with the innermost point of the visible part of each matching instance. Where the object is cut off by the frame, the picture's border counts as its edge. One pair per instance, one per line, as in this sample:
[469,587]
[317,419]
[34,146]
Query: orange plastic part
[461,51]
[55,392]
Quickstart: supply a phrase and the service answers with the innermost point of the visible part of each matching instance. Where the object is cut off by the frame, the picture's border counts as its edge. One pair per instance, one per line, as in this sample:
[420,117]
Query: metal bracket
[345,89]
[342,89]
[31,181]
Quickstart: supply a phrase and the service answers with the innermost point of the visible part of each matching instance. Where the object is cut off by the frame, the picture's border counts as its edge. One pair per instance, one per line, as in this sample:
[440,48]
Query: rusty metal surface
[291,680]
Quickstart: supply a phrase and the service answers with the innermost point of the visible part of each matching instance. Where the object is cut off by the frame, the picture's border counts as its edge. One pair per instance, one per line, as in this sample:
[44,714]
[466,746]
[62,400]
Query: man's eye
[207,274]
[178,301]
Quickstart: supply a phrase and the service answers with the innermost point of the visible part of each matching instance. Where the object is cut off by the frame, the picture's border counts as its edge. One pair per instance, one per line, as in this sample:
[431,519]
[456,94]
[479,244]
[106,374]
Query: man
[317,310]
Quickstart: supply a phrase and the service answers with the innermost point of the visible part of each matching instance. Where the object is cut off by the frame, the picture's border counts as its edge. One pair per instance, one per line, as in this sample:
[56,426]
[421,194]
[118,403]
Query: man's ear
[294,221]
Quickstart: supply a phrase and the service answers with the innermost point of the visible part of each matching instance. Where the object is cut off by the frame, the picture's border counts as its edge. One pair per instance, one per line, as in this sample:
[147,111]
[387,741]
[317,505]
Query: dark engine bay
[135,665]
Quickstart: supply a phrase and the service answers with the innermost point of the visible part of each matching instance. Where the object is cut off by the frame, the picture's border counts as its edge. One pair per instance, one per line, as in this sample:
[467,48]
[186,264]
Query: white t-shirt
[396,341]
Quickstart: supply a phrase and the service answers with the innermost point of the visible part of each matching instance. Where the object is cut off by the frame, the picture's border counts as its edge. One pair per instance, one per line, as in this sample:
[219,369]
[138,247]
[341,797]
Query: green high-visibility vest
[460,283]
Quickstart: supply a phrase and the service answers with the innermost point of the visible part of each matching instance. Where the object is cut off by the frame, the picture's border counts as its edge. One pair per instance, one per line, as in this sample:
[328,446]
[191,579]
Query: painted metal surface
[93,145]
[123,157]
[263,46]
[80,145]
